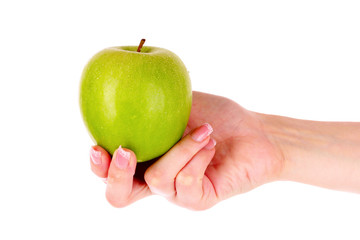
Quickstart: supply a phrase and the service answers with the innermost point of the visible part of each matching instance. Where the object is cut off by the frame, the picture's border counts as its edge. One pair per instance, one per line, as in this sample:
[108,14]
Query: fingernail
[95,156]
[122,158]
[202,132]
[211,144]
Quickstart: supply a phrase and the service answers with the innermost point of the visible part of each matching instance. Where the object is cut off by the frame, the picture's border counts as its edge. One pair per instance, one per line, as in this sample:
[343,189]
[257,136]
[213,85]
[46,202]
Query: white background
[294,58]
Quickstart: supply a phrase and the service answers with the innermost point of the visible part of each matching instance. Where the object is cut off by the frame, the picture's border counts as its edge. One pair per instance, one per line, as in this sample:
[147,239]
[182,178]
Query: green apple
[136,97]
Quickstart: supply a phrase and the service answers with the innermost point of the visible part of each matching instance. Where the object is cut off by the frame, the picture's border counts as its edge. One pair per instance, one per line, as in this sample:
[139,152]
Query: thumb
[120,177]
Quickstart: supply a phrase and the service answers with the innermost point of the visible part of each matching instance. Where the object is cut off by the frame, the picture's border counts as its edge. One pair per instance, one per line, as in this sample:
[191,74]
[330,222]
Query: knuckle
[153,178]
[157,183]
[187,147]
[185,178]
[116,176]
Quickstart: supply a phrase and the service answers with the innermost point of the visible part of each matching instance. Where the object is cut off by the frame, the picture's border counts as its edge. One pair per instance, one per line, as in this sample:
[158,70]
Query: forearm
[326,154]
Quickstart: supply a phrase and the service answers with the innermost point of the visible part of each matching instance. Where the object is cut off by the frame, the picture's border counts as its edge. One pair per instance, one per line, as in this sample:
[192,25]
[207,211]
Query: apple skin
[139,100]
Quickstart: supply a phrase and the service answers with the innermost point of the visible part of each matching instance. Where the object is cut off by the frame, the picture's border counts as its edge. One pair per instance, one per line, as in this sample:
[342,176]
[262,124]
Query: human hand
[123,188]
[195,174]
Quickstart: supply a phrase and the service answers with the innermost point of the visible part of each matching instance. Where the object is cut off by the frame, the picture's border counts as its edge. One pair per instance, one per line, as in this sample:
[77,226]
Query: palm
[244,158]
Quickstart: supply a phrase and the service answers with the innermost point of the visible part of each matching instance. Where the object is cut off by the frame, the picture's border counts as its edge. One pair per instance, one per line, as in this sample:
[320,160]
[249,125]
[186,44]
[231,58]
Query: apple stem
[141,44]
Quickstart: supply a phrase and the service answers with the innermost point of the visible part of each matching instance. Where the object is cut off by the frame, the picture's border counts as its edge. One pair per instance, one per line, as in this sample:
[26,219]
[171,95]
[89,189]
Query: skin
[252,149]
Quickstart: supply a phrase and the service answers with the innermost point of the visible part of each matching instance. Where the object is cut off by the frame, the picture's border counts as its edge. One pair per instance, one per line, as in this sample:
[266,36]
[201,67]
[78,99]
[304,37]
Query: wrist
[279,133]
[325,154]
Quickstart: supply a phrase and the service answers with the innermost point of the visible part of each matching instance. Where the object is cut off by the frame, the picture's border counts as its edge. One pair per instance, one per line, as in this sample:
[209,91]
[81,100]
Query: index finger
[161,175]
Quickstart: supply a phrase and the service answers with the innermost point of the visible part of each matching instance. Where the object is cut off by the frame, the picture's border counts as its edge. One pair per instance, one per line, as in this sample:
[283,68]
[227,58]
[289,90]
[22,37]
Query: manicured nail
[95,156]
[122,158]
[202,132]
[211,144]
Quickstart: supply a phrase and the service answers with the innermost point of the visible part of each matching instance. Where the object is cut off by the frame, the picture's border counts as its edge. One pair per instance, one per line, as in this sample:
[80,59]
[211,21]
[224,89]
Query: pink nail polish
[95,156]
[211,144]
[202,132]
[122,158]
